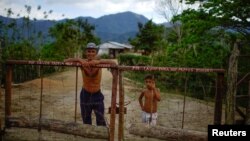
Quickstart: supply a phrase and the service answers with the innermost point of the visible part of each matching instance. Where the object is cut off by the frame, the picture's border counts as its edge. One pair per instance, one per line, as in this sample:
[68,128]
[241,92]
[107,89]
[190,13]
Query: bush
[133,60]
[104,56]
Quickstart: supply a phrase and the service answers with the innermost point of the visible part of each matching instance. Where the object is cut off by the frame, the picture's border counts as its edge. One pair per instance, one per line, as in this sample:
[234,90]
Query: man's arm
[140,101]
[106,61]
[79,60]
[102,61]
[85,65]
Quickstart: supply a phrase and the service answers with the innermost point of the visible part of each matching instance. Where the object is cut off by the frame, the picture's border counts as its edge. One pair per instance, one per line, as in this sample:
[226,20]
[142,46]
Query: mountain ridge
[117,27]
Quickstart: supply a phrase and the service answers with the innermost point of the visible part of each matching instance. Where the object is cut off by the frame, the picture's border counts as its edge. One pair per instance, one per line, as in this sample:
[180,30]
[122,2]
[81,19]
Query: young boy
[91,97]
[151,97]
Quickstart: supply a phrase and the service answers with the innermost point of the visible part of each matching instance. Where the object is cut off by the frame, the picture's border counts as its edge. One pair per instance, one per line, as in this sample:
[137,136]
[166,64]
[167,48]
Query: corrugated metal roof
[114,45]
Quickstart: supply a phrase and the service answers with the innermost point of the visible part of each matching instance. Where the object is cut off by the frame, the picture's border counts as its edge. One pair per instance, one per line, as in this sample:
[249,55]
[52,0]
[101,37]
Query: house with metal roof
[113,48]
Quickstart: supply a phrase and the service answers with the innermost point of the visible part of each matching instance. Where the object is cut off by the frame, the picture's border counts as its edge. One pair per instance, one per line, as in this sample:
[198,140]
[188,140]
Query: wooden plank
[79,129]
[241,113]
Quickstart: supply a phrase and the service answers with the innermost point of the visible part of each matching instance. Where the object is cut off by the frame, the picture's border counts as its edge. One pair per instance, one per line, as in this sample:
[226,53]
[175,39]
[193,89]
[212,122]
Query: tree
[199,41]
[229,16]
[86,33]
[18,43]
[65,35]
[1,59]
[50,52]
[71,35]
[21,51]
[169,9]
[149,37]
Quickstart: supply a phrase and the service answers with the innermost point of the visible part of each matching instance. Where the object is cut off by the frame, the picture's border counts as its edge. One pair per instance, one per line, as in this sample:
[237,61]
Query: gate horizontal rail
[124,68]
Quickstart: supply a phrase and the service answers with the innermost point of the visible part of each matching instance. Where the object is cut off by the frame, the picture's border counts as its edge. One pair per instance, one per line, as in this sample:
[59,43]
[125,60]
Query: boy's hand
[152,86]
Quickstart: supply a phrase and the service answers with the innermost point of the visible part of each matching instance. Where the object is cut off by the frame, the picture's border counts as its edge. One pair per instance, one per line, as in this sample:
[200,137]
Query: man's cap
[91,45]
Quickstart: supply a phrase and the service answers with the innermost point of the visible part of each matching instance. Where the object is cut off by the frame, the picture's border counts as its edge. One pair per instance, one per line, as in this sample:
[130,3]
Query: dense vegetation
[201,38]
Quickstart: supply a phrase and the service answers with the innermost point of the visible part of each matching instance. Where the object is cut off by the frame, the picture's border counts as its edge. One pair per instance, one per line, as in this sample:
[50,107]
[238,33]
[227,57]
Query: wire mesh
[58,98]
[197,113]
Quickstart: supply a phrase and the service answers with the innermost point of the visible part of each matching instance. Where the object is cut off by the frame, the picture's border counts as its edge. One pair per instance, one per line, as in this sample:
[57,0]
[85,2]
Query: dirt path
[59,92]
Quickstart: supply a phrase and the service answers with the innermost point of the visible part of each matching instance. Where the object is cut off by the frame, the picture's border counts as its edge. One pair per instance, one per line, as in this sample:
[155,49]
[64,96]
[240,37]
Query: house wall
[103,51]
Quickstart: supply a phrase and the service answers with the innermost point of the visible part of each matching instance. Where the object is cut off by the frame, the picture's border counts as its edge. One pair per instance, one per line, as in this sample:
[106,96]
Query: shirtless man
[151,97]
[91,97]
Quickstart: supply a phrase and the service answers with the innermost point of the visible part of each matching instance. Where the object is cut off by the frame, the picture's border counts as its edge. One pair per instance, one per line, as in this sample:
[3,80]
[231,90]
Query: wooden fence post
[8,94]
[218,98]
[113,105]
[232,85]
[121,108]
[248,107]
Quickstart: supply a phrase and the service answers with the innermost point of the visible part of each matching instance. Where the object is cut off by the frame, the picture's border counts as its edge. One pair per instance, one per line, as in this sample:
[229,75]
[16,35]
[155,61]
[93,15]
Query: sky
[75,8]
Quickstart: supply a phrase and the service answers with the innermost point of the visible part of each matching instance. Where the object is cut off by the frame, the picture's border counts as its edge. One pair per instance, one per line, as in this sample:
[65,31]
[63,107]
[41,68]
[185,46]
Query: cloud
[19,10]
[69,2]
[92,1]
[76,8]
[103,7]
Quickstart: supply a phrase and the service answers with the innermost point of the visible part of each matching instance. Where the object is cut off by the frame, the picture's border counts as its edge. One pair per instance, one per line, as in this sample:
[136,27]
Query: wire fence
[176,109]
[56,96]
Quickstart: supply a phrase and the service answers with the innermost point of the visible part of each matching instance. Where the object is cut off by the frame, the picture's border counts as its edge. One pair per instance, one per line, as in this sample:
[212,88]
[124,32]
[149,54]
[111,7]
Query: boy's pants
[89,102]
[149,118]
